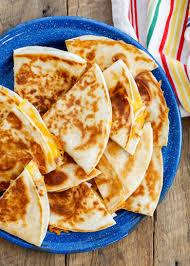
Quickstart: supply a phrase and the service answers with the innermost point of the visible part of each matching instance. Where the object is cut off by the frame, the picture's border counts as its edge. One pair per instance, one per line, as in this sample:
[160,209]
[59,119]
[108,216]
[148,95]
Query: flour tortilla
[21,210]
[67,175]
[8,99]
[38,180]
[21,141]
[128,108]
[81,119]
[156,107]
[78,209]
[105,51]
[109,185]
[129,169]
[145,199]
[42,74]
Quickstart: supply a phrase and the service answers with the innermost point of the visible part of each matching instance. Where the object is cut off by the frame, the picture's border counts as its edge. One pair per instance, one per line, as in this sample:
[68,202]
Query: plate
[52,31]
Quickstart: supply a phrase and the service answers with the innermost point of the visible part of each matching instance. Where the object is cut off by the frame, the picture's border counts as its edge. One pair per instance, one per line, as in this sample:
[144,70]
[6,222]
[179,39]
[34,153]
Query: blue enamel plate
[52,31]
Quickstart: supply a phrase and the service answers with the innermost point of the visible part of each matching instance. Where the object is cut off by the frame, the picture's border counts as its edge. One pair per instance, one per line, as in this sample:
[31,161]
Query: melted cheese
[34,117]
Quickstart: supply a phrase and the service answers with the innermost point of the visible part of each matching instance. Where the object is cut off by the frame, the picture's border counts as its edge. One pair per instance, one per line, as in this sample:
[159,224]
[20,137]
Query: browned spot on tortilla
[144,90]
[38,155]
[14,121]
[113,148]
[152,177]
[143,59]
[121,109]
[91,55]
[4,185]
[13,204]
[55,230]
[55,178]
[140,191]
[24,73]
[94,133]
[80,173]
[71,204]
[121,56]
[128,166]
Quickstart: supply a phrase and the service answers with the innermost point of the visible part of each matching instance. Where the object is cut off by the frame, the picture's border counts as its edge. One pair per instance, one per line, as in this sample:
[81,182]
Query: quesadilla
[78,209]
[38,180]
[67,175]
[7,100]
[109,185]
[129,170]
[20,141]
[105,51]
[42,74]
[127,106]
[145,198]
[81,119]
[156,107]
[22,212]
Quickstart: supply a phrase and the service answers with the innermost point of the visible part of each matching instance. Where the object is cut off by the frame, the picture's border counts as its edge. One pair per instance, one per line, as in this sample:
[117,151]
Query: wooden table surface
[162,240]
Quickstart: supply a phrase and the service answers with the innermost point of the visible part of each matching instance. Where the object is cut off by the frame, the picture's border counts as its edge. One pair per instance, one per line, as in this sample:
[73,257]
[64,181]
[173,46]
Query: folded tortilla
[78,209]
[145,198]
[67,175]
[109,185]
[20,141]
[42,74]
[24,210]
[8,99]
[156,107]
[105,51]
[127,107]
[122,172]
[81,119]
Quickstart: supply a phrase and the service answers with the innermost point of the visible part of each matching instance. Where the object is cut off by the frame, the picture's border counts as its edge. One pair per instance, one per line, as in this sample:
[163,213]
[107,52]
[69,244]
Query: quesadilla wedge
[105,51]
[156,107]
[109,185]
[127,106]
[67,175]
[21,210]
[78,209]
[38,180]
[8,99]
[129,169]
[81,119]
[145,198]
[20,141]
[42,74]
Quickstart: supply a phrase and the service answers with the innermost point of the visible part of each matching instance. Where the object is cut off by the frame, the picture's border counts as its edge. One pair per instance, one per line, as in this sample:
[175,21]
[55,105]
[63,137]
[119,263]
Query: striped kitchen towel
[163,27]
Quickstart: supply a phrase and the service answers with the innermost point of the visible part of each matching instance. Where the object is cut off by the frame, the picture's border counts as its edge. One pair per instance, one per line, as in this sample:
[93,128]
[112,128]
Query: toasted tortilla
[78,209]
[81,119]
[127,106]
[8,99]
[38,180]
[156,107]
[109,185]
[42,74]
[145,199]
[20,141]
[105,51]
[67,175]
[21,210]
[129,170]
